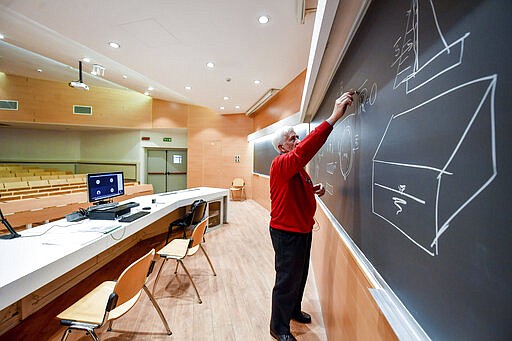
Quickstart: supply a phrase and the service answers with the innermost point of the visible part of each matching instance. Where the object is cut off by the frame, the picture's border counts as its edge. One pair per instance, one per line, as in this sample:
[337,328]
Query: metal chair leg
[158,275]
[208,258]
[157,307]
[65,336]
[191,280]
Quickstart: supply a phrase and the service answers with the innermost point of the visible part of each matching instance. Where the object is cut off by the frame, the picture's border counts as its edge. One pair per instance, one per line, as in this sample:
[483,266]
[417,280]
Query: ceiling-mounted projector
[79,84]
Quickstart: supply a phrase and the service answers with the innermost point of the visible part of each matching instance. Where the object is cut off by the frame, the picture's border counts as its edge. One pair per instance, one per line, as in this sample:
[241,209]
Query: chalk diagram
[434,184]
[337,155]
[416,69]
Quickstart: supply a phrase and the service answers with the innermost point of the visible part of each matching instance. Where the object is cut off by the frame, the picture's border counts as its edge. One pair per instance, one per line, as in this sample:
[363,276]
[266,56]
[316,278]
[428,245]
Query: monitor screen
[102,186]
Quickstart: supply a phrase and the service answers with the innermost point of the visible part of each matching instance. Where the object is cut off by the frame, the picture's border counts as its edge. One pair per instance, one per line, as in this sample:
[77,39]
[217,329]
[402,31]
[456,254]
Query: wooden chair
[238,185]
[179,249]
[111,300]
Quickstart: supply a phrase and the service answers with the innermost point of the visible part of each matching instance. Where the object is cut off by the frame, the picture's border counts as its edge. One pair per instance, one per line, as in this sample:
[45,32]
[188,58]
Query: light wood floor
[236,302]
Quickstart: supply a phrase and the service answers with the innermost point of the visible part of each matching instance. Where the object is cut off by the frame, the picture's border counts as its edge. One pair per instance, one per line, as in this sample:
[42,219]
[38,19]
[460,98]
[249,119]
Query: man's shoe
[282,337]
[302,317]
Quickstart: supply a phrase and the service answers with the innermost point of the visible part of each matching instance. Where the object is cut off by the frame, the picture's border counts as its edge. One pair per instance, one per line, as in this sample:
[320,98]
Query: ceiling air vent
[8,105]
[82,110]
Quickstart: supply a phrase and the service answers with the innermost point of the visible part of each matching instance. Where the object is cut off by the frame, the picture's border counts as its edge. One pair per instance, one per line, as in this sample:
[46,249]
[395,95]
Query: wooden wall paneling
[349,311]
[50,102]
[169,114]
[285,103]
[261,190]
[213,142]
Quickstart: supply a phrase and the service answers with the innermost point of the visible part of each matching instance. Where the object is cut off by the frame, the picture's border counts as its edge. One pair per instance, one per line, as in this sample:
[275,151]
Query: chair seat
[91,307]
[176,249]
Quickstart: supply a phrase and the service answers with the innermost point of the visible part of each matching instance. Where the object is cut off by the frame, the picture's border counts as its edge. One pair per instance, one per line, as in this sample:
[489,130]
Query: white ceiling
[164,44]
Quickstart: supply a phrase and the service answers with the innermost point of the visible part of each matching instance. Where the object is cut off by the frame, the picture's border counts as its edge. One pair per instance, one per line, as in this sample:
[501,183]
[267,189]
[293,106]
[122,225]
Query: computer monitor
[103,186]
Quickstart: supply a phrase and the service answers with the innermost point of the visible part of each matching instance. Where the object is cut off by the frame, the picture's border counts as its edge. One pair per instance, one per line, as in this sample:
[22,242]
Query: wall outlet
[237,158]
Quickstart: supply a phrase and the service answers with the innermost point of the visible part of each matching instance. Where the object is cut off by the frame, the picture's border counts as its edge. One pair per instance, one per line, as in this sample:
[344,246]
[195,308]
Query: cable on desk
[55,225]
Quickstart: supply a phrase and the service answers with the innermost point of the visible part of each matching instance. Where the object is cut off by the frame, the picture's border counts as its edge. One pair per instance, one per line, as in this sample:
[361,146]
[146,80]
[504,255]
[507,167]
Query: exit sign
[167,139]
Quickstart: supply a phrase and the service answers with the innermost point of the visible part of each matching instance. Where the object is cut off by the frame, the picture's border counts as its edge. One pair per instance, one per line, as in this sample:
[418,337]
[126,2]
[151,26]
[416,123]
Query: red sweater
[292,197]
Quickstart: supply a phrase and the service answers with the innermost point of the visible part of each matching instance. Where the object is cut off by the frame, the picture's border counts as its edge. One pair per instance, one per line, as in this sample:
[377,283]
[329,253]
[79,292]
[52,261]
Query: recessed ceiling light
[210,65]
[39,70]
[257,81]
[188,87]
[237,107]
[226,98]
[2,36]
[125,76]
[146,93]
[221,108]
[85,59]
[150,88]
[114,45]
[264,19]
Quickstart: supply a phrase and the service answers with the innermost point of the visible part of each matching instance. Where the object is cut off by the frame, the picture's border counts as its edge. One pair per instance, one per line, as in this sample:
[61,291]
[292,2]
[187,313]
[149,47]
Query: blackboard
[264,152]
[418,171]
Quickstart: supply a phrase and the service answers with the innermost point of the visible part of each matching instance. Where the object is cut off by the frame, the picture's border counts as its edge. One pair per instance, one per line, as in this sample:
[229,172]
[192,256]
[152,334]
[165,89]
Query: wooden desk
[28,264]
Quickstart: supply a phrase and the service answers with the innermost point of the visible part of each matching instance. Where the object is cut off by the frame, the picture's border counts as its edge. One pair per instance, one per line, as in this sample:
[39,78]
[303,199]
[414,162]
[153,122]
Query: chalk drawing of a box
[434,159]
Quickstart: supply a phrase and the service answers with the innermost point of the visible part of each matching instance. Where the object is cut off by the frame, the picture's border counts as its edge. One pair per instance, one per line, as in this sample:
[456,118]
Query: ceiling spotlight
[114,45]
[125,76]
[150,88]
[146,93]
[188,87]
[39,70]
[87,60]
[264,19]
[210,65]
[221,108]
[237,107]
[226,98]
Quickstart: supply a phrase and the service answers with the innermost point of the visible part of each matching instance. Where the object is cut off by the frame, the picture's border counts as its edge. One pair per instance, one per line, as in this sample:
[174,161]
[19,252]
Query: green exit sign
[167,139]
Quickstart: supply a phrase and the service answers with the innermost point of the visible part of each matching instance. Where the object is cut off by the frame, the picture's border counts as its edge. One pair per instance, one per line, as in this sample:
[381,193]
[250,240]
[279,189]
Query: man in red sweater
[293,206]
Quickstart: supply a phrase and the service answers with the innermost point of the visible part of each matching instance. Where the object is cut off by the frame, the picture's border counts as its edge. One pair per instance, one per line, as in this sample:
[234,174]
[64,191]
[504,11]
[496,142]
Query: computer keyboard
[134,216]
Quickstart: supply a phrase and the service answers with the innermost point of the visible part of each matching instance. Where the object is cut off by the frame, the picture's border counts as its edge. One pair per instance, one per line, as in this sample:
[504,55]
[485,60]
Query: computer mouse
[146,208]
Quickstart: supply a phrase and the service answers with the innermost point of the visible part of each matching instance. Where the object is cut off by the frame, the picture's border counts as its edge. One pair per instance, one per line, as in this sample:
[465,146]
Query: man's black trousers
[292,251]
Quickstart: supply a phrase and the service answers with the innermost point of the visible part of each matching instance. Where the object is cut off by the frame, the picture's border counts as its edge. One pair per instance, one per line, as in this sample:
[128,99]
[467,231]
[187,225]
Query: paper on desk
[79,234]
[100,226]
[72,238]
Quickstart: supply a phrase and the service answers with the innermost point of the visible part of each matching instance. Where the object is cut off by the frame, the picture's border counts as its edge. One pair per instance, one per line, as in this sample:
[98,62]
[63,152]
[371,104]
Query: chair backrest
[197,211]
[133,278]
[238,182]
[198,233]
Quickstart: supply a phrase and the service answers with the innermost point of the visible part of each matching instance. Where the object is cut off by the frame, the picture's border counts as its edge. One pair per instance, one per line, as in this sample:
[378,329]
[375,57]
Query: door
[167,169]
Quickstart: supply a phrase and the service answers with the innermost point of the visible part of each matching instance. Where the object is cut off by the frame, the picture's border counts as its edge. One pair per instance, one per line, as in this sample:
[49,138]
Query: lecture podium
[49,259]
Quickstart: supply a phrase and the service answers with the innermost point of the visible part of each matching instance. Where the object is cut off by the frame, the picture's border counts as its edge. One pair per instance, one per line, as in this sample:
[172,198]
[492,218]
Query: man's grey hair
[280,136]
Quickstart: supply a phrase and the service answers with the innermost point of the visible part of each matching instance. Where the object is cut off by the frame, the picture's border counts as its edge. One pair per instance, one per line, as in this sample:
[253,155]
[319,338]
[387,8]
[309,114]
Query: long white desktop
[28,263]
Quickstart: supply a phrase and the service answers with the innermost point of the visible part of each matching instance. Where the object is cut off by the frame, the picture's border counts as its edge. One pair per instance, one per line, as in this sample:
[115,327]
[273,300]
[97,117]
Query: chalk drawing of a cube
[434,159]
